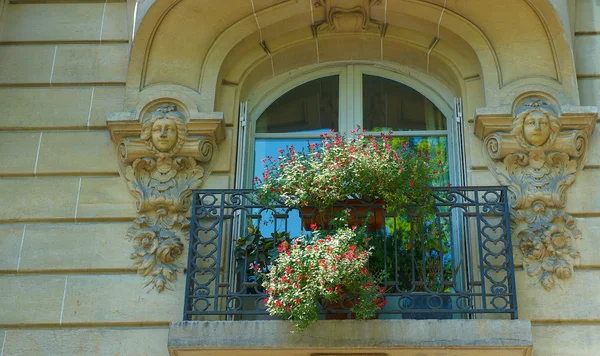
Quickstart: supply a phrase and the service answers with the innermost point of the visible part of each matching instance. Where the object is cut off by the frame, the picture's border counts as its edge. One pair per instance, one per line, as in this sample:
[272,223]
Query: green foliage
[415,252]
[256,251]
[360,166]
[322,268]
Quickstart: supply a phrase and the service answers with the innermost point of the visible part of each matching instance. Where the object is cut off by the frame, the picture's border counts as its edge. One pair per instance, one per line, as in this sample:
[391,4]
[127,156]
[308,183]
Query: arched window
[343,98]
[297,112]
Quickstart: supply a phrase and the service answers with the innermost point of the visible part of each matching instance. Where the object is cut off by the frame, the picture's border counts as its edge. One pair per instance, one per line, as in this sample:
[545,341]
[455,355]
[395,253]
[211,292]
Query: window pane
[310,107]
[389,105]
[269,147]
[437,146]
[265,147]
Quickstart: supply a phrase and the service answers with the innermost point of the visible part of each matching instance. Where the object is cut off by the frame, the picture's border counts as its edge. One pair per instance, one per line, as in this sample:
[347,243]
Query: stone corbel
[536,150]
[163,157]
[348,16]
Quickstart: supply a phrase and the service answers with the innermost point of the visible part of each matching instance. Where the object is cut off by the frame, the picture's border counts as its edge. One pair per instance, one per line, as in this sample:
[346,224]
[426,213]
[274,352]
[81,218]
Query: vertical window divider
[241,177]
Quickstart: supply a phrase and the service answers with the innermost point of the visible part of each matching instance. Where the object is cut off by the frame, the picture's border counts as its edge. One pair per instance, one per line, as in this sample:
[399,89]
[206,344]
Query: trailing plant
[322,268]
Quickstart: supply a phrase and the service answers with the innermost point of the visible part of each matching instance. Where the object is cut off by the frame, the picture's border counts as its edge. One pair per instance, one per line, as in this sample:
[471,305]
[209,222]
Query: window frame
[350,108]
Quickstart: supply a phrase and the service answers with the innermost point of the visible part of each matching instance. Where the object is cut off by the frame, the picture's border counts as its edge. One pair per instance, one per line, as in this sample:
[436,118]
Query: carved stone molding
[163,158]
[536,150]
[347,16]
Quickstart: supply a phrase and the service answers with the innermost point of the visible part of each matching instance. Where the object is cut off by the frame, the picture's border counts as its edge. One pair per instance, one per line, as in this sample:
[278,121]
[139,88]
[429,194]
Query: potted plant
[318,269]
[358,166]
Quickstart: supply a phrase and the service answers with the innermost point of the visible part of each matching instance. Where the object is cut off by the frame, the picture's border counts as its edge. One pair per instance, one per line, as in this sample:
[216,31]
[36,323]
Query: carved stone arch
[232,40]
[155,33]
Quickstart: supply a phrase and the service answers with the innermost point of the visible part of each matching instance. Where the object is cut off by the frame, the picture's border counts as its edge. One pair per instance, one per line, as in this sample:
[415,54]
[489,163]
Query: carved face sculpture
[536,128]
[164,134]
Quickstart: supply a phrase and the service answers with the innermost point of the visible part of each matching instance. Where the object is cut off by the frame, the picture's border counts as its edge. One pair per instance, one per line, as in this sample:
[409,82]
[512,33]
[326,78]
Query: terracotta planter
[341,310]
[358,214]
[336,307]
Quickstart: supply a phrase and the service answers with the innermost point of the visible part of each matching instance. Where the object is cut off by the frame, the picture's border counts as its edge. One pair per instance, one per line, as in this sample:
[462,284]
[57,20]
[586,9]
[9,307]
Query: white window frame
[350,111]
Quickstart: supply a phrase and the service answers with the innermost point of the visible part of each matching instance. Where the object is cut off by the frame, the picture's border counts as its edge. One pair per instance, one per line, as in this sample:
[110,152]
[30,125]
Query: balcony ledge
[351,337]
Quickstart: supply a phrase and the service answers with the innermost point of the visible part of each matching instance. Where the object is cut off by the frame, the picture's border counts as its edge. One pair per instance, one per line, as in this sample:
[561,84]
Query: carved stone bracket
[347,16]
[536,150]
[163,158]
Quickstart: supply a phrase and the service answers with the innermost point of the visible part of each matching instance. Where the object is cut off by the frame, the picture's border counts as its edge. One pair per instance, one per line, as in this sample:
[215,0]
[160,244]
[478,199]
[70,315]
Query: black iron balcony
[453,265]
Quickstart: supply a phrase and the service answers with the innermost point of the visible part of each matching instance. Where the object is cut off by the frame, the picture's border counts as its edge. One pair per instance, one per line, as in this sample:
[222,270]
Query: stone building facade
[113,110]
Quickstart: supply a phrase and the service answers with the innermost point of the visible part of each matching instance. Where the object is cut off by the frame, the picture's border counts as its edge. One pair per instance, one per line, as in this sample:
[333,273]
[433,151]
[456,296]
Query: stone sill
[351,337]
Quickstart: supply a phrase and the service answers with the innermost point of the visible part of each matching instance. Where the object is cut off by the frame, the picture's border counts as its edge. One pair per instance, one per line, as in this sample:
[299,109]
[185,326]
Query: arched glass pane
[389,105]
[437,146]
[310,107]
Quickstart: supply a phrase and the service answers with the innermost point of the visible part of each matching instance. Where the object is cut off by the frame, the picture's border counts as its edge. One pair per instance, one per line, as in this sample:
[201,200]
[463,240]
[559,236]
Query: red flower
[277,303]
[283,246]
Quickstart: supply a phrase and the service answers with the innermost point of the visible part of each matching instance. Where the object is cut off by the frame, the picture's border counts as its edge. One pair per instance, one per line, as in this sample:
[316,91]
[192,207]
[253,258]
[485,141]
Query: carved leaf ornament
[161,167]
[538,160]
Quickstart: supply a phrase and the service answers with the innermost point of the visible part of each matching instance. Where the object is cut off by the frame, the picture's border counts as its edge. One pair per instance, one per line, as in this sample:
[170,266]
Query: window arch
[340,98]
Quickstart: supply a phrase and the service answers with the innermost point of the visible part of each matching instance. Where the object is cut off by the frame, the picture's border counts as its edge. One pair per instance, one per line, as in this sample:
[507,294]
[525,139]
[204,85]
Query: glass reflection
[310,107]
[389,105]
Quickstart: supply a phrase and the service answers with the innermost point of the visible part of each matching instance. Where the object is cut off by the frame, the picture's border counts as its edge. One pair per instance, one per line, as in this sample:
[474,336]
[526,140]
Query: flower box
[360,212]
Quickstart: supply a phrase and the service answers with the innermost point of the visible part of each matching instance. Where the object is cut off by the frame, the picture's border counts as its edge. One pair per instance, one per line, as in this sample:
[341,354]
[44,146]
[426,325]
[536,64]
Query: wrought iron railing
[455,264]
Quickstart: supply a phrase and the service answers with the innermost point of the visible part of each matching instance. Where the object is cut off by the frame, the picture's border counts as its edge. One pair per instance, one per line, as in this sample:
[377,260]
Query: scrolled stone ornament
[538,160]
[161,167]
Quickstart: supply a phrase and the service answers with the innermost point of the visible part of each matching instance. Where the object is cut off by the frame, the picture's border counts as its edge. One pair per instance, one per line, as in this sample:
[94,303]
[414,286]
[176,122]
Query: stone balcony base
[351,337]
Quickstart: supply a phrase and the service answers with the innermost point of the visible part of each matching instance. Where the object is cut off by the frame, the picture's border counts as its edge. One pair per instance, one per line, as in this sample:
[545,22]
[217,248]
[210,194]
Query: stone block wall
[67,283]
